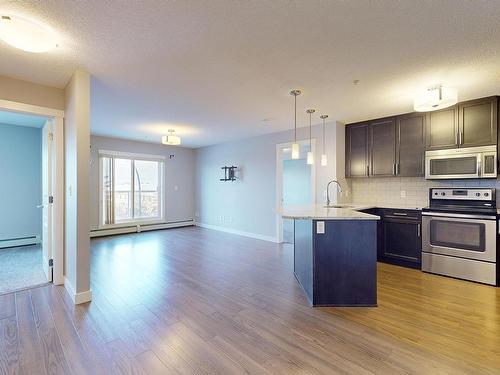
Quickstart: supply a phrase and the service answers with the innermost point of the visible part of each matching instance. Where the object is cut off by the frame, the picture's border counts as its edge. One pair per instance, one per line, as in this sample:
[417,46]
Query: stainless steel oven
[459,234]
[458,163]
[463,236]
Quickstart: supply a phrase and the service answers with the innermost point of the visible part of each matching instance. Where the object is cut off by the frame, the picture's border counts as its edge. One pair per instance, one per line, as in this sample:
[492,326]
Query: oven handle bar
[462,216]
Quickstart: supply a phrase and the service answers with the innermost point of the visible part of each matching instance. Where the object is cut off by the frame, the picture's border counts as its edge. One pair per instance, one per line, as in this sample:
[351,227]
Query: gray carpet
[21,267]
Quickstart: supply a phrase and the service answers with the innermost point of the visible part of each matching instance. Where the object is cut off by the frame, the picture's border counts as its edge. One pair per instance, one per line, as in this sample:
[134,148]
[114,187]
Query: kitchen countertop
[314,212]
[344,211]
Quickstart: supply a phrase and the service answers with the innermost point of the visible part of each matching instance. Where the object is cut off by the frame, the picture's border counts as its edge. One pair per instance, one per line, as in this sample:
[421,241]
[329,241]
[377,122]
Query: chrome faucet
[328,191]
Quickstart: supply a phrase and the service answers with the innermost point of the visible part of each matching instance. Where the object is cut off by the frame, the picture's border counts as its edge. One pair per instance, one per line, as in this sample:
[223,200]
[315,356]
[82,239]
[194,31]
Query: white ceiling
[213,70]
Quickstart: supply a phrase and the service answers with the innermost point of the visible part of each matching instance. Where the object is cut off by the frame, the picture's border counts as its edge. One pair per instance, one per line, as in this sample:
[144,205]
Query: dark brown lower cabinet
[399,238]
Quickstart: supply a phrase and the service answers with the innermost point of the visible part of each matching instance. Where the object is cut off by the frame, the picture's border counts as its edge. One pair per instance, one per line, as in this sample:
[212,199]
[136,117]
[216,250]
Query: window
[130,188]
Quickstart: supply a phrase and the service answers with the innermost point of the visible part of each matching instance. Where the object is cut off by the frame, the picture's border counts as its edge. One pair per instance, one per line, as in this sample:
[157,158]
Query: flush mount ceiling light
[434,98]
[295,145]
[27,35]
[171,139]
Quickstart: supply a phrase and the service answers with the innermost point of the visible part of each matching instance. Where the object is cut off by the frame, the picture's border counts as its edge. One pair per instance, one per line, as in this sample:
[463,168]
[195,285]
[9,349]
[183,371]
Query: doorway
[30,167]
[295,181]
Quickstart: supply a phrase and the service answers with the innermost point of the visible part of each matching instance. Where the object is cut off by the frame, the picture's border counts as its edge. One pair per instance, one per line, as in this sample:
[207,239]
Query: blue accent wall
[20,181]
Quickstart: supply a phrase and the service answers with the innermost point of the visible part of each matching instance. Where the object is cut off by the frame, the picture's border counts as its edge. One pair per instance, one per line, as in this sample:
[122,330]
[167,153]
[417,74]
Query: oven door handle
[460,216]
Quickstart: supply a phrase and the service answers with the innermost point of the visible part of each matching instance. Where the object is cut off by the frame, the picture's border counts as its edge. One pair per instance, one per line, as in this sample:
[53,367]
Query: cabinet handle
[418,230]
[398,170]
[394,169]
[461,138]
[367,170]
[400,213]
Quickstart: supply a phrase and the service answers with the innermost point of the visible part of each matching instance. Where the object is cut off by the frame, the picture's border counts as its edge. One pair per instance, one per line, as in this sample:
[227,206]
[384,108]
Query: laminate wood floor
[196,301]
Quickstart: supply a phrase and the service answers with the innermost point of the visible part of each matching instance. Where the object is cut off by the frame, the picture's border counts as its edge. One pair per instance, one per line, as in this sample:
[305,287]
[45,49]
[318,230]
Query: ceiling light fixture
[27,35]
[171,139]
[310,155]
[434,98]
[324,160]
[295,145]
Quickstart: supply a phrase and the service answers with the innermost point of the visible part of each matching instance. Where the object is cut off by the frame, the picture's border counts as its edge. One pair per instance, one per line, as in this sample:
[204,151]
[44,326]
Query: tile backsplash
[405,191]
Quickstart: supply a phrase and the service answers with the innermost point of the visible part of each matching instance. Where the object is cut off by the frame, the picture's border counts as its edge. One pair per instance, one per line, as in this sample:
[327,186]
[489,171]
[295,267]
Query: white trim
[279,181]
[139,228]
[77,298]
[23,241]
[238,232]
[130,155]
[8,105]
[58,229]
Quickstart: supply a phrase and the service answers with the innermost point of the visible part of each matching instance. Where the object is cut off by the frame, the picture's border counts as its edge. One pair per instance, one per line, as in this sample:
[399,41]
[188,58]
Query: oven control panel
[475,194]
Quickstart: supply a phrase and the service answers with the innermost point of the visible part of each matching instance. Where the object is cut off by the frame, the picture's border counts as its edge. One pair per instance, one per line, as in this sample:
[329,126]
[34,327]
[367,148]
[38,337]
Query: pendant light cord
[323,136]
[295,136]
[310,132]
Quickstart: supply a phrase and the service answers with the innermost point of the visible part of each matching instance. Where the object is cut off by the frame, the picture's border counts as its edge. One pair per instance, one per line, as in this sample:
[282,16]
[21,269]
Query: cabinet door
[382,147]
[402,240]
[356,157]
[410,145]
[478,122]
[442,129]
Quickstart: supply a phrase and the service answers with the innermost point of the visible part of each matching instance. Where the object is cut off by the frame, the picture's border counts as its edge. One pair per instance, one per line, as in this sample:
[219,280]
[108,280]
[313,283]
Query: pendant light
[295,145]
[310,155]
[324,161]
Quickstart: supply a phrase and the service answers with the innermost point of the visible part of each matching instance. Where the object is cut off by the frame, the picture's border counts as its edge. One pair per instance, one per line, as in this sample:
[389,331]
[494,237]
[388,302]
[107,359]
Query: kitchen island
[335,254]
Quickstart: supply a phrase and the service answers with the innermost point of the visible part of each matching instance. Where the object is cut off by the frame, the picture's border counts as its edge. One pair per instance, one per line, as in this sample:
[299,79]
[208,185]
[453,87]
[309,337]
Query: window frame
[161,180]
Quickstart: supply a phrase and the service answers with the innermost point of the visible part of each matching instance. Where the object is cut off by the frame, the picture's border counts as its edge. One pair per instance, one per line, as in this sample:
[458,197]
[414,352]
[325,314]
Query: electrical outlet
[403,193]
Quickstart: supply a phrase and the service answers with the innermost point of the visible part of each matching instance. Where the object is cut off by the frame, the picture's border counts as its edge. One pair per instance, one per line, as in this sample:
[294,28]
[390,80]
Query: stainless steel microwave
[457,163]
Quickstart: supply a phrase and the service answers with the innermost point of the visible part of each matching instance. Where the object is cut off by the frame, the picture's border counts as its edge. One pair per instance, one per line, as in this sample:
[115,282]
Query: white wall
[179,176]
[77,149]
[249,204]
[21,181]
[20,91]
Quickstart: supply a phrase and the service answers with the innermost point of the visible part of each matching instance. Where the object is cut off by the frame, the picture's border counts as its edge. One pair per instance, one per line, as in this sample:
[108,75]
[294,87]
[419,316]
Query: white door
[47,205]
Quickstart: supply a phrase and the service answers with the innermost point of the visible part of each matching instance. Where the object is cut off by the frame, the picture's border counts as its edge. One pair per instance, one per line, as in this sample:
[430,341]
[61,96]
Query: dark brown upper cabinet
[382,147]
[410,144]
[477,122]
[395,146]
[442,129]
[356,147]
[468,124]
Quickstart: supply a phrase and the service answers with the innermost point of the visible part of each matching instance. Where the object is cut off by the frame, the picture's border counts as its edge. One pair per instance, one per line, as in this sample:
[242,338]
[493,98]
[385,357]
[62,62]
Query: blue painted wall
[20,181]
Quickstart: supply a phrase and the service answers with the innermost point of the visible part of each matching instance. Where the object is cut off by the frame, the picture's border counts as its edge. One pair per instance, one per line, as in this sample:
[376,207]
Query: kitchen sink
[339,206]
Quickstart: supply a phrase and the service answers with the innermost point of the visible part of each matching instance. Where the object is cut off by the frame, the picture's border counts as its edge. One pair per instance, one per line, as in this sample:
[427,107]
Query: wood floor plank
[197,301]
[30,347]
[7,306]
[53,354]
[9,341]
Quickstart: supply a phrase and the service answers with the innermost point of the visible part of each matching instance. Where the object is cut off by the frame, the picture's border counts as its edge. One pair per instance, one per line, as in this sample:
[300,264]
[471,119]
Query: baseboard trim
[238,232]
[140,228]
[77,298]
[22,241]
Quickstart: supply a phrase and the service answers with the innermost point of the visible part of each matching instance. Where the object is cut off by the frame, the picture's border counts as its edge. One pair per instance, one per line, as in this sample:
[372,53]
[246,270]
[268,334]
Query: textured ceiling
[213,70]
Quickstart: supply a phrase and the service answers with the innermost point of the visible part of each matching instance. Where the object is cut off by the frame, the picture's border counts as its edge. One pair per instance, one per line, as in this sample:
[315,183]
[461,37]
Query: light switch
[320,227]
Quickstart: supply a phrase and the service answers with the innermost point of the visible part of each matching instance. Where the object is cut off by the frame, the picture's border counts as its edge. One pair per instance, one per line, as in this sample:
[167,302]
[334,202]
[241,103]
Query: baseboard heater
[20,241]
[140,228]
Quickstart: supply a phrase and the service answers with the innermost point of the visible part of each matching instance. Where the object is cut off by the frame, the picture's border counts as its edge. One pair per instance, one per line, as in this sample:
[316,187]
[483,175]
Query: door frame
[279,181]
[56,116]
